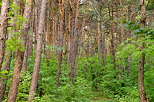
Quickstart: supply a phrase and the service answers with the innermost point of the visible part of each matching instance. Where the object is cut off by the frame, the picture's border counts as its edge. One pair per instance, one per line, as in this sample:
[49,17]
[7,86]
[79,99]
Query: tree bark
[19,55]
[122,36]
[24,63]
[68,38]
[3,27]
[112,46]
[74,38]
[7,58]
[60,42]
[128,32]
[83,29]
[5,66]
[141,88]
[36,69]
[99,40]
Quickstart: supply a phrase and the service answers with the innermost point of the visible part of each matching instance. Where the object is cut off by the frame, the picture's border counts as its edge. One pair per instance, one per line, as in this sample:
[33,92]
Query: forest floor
[99,97]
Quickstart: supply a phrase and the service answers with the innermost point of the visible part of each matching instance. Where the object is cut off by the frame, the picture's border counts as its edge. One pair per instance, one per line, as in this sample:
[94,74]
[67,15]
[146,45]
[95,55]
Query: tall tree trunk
[19,55]
[99,30]
[121,24]
[30,39]
[7,57]
[99,37]
[68,38]
[142,93]
[36,69]
[24,63]
[112,46]
[48,32]
[3,27]
[122,36]
[128,36]
[5,66]
[36,13]
[141,77]
[27,44]
[60,40]
[82,29]
[53,26]
[74,38]
[104,48]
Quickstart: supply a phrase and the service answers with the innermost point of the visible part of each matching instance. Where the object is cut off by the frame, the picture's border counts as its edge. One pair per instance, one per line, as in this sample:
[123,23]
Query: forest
[76,50]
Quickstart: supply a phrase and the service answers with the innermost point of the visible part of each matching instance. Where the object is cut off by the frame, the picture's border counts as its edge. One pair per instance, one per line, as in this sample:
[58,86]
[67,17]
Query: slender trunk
[99,30]
[74,38]
[89,43]
[15,79]
[141,77]
[112,47]
[68,38]
[129,65]
[30,46]
[99,39]
[53,26]
[5,66]
[24,63]
[53,31]
[3,27]
[48,33]
[7,58]
[121,24]
[103,37]
[128,36]
[19,56]
[141,88]
[60,42]
[36,13]
[36,69]
[82,30]
[122,36]
[104,48]
[27,43]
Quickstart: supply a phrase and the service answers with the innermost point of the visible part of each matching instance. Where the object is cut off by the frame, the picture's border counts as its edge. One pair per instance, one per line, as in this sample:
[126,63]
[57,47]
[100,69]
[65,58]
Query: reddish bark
[19,55]
[141,88]
[60,40]
[36,69]
[74,38]
[3,27]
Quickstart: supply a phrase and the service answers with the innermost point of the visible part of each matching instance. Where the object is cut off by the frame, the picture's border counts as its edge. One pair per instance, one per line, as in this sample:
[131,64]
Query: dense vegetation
[77,51]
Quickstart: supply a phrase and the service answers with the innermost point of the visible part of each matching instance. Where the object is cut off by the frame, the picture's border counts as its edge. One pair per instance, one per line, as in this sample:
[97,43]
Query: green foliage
[138,30]
[48,76]
[133,48]
[0,3]
[149,82]
[150,6]
[80,91]
[14,43]
[92,74]
[131,94]
[91,69]
[2,73]
[24,85]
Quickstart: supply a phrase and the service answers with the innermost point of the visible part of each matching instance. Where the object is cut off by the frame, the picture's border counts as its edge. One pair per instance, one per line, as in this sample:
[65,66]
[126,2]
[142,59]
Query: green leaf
[3,72]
